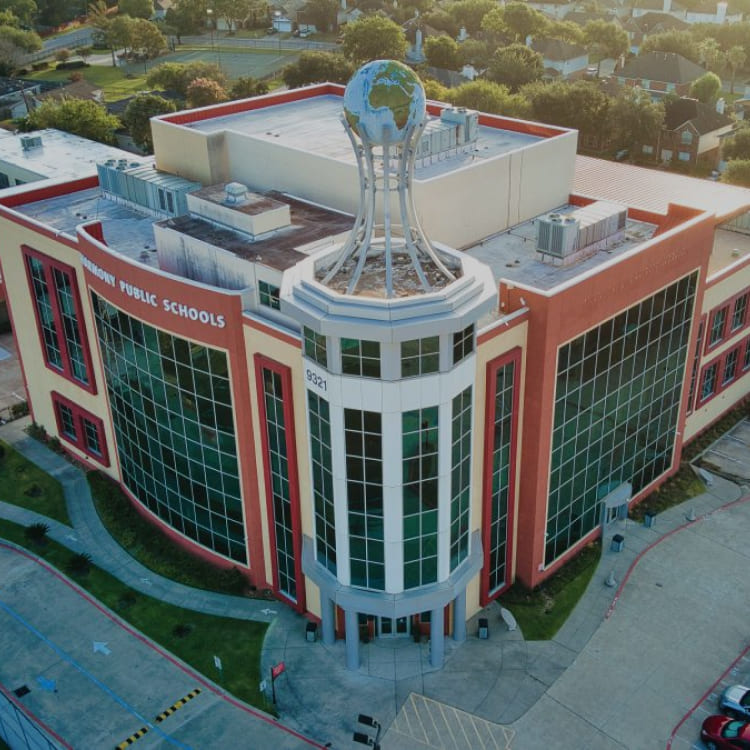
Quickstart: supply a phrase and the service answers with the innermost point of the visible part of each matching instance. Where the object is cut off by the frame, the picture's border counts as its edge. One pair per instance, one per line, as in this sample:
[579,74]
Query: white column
[352,640]
[459,617]
[437,638]
[327,620]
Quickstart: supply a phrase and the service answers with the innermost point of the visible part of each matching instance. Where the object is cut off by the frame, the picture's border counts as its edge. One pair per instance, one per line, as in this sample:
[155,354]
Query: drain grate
[21,691]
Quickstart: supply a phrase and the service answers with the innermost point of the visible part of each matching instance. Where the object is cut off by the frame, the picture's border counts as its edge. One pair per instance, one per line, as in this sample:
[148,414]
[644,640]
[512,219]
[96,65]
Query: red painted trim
[18,348]
[218,692]
[512,357]
[273,332]
[35,720]
[264,363]
[79,415]
[727,332]
[50,265]
[50,191]
[721,362]
[695,365]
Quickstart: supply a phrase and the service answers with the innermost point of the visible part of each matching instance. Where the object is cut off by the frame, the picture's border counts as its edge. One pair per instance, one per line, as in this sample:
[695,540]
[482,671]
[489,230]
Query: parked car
[725,733]
[735,701]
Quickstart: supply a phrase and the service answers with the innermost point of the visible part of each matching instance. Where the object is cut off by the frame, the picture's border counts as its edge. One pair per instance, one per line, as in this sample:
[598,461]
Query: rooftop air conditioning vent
[557,235]
[235,193]
[30,141]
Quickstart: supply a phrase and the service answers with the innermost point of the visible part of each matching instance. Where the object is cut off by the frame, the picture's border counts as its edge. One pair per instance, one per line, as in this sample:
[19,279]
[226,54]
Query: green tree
[738,146]
[138,114]
[735,58]
[136,8]
[57,12]
[14,45]
[24,10]
[679,42]
[493,26]
[234,12]
[710,53]
[566,31]
[435,90]
[372,38]
[78,116]
[441,20]
[442,52]
[581,105]
[475,52]
[146,39]
[515,66]
[322,14]
[706,88]
[178,76]
[604,39]
[84,51]
[469,13]
[737,172]
[63,55]
[204,91]
[523,21]
[636,120]
[317,67]
[119,34]
[187,17]
[246,86]
[487,96]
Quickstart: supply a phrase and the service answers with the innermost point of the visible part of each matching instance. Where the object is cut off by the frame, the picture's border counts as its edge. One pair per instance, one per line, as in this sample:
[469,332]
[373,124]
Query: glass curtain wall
[322,480]
[616,409]
[173,420]
[460,477]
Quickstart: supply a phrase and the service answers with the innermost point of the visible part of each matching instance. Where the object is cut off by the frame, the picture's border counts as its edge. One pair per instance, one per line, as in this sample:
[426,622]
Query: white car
[735,701]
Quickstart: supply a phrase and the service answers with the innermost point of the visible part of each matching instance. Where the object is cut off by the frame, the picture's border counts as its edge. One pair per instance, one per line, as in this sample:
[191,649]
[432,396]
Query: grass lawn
[192,636]
[540,613]
[113,81]
[24,484]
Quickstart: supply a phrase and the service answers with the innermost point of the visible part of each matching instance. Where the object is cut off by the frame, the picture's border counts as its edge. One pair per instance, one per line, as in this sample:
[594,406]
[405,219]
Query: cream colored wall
[15,173]
[490,350]
[187,153]
[40,380]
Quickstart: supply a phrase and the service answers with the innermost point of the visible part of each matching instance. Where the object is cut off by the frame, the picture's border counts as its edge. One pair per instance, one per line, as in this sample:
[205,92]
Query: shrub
[37,533]
[19,410]
[79,564]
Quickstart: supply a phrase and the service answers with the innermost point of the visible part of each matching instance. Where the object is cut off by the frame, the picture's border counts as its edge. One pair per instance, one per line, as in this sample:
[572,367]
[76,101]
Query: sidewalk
[646,647]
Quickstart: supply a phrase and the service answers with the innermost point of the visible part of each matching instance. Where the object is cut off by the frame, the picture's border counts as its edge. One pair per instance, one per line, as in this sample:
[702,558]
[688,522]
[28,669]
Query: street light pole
[210,20]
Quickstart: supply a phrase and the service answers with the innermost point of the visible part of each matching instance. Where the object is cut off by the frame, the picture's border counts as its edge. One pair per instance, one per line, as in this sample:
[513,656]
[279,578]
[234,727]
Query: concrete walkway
[628,664]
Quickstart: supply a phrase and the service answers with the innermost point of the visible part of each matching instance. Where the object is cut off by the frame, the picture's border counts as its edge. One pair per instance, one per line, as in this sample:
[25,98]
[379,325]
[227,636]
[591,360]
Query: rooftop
[62,156]
[313,125]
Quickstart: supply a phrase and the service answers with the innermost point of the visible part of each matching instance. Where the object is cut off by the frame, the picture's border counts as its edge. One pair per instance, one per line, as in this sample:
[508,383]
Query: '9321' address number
[316,380]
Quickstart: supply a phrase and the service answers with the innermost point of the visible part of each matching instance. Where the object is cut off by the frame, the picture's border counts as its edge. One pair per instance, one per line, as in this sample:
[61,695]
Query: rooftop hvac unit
[468,119]
[30,141]
[557,235]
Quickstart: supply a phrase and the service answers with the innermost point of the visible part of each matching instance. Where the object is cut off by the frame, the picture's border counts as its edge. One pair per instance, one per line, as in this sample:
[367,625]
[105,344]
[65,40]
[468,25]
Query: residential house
[561,59]
[639,28]
[554,8]
[660,73]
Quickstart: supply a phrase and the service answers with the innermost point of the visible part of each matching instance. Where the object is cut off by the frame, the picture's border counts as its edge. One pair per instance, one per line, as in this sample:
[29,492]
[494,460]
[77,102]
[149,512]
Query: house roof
[655,21]
[662,66]
[556,49]
[582,17]
[76,90]
[703,118]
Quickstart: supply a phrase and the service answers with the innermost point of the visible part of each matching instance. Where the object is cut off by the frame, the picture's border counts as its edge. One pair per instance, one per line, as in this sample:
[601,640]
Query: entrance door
[392,628]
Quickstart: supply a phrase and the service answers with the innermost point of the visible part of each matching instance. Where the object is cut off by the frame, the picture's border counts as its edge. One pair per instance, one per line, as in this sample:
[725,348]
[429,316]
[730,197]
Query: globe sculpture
[383,101]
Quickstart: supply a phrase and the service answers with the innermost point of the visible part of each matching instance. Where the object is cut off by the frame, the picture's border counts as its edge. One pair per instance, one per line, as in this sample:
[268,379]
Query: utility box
[484,628]
[648,519]
[618,542]
[311,632]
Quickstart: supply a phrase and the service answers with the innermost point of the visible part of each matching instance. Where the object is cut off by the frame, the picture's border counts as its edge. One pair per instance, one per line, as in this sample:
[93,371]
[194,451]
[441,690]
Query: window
[686,137]
[739,312]
[269,295]
[730,366]
[463,343]
[322,480]
[360,358]
[166,200]
[746,360]
[708,387]
[420,356]
[696,365]
[80,428]
[666,154]
[4,181]
[683,155]
[58,312]
[315,347]
[717,326]
[460,477]
[648,149]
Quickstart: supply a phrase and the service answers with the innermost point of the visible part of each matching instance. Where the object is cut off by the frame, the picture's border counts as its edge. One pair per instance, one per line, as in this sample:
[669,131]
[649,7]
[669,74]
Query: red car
[722,732]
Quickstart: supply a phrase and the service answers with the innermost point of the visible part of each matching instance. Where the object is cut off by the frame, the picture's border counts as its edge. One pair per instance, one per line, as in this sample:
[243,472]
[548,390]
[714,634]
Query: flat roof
[512,255]
[314,125]
[61,155]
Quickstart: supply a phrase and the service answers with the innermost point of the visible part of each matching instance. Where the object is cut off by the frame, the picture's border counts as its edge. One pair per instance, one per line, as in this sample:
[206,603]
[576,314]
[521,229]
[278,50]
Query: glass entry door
[392,628]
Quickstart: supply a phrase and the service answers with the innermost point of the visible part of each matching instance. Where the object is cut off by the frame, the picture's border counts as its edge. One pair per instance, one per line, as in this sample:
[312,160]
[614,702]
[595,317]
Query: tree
[735,58]
[24,10]
[489,97]
[14,45]
[63,55]
[604,39]
[523,21]
[738,146]
[78,116]
[234,12]
[469,13]
[204,91]
[636,120]
[737,172]
[136,8]
[246,86]
[515,66]
[146,39]
[710,53]
[475,52]
[565,31]
[119,34]
[84,51]
[187,17]
[322,14]
[581,105]
[373,38]
[706,88]
[441,20]
[57,12]
[493,26]
[679,42]
[138,114]
[317,67]
[178,76]
[442,52]
[435,91]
